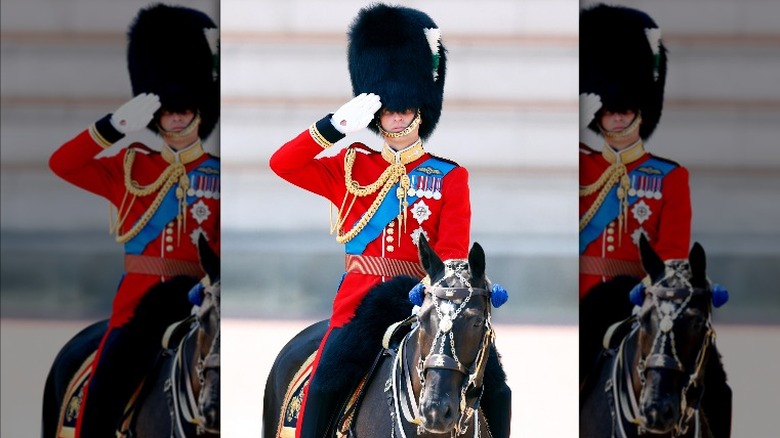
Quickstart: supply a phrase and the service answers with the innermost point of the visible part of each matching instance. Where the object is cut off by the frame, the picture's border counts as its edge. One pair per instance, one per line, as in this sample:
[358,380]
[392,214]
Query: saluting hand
[356,114]
[590,103]
[136,113]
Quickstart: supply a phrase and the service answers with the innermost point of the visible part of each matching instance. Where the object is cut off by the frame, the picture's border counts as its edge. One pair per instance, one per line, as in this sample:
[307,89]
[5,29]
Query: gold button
[610,231]
[391,224]
[169,248]
[611,224]
[169,239]
[610,239]
[610,248]
[390,248]
[390,239]
[390,230]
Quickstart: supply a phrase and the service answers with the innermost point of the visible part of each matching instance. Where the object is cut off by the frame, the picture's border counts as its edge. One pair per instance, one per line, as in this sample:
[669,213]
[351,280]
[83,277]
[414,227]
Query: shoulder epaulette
[362,148]
[666,160]
[142,148]
[585,149]
[447,160]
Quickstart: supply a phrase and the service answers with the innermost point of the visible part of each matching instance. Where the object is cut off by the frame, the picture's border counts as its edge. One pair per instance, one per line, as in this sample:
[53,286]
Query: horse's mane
[165,303]
[605,304]
[360,340]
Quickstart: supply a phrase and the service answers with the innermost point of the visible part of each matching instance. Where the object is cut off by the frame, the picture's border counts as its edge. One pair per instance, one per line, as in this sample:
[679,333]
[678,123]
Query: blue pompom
[637,294]
[416,294]
[498,295]
[195,295]
[719,295]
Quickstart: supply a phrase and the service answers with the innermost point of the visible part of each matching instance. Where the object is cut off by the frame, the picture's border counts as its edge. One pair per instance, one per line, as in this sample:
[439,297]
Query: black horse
[428,379]
[650,378]
[180,395]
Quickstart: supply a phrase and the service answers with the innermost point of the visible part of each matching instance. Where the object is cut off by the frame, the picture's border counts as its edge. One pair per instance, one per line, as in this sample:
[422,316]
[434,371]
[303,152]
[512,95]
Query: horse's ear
[651,263]
[429,260]
[698,262]
[477,261]
[209,260]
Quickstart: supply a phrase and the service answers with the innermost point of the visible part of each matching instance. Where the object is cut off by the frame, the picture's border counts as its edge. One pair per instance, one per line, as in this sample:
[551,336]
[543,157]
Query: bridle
[210,362]
[670,303]
[184,408]
[438,358]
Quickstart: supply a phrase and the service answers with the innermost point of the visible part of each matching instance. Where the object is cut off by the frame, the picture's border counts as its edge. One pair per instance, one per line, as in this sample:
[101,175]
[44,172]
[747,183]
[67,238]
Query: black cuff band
[107,130]
[327,129]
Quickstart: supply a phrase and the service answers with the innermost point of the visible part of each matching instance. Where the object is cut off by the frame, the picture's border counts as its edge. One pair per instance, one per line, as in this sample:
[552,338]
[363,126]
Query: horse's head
[454,338]
[675,333]
[208,341]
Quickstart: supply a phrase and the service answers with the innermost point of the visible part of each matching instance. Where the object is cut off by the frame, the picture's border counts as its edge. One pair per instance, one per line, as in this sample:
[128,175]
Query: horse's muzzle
[437,416]
[659,416]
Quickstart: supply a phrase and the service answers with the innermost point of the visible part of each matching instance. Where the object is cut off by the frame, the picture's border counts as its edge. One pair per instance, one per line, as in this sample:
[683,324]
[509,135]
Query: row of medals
[651,188]
[426,187]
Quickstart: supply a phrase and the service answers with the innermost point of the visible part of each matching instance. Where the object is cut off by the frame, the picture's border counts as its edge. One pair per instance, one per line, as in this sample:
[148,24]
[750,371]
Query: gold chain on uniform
[394,173]
[615,173]
[176,172]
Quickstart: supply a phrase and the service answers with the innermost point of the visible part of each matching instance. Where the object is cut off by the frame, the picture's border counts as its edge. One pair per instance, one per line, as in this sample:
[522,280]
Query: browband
[456,293]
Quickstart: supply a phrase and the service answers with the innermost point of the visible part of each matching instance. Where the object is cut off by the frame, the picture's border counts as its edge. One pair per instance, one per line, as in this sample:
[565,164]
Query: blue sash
[388,209]
[168,210]
[610,208]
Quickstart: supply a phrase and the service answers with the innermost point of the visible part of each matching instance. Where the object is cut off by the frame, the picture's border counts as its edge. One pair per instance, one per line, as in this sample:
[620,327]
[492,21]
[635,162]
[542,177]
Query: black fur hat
[169,54]
[618,62]
[390,55]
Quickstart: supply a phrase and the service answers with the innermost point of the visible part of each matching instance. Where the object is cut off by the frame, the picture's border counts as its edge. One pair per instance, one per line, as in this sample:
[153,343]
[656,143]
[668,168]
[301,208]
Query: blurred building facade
[510,117]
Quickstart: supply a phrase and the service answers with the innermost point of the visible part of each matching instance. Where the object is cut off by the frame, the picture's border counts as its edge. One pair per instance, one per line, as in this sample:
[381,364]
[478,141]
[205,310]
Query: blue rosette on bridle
[637,294]
[416,294]
[195,295]
[498,295]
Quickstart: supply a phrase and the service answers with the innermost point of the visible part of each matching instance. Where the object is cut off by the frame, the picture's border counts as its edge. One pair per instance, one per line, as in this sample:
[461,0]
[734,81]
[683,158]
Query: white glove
[590,103]
[136,113]
[356,114]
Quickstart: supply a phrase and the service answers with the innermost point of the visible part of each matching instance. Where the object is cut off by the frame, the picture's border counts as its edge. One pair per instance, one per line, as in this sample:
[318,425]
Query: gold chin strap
[193,125]
[633,126]
[175,172]
[415,123]
[616,173]
[395,173]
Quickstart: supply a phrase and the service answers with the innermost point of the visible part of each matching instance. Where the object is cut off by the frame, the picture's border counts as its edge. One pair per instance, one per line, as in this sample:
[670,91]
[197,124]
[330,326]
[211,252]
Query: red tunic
[446,226]
[75,162]
[665,219]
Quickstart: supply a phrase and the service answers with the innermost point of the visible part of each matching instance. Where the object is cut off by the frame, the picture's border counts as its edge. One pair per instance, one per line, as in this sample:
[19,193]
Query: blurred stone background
[510,116]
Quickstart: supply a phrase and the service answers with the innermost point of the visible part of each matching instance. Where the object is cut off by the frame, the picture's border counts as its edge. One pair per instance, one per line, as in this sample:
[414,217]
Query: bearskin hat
[396,53]
[623,60]
[169,53]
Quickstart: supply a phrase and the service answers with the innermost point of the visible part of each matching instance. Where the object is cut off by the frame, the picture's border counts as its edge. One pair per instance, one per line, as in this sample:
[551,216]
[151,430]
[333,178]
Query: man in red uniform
[386,199]
[165,199]
[625,192]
